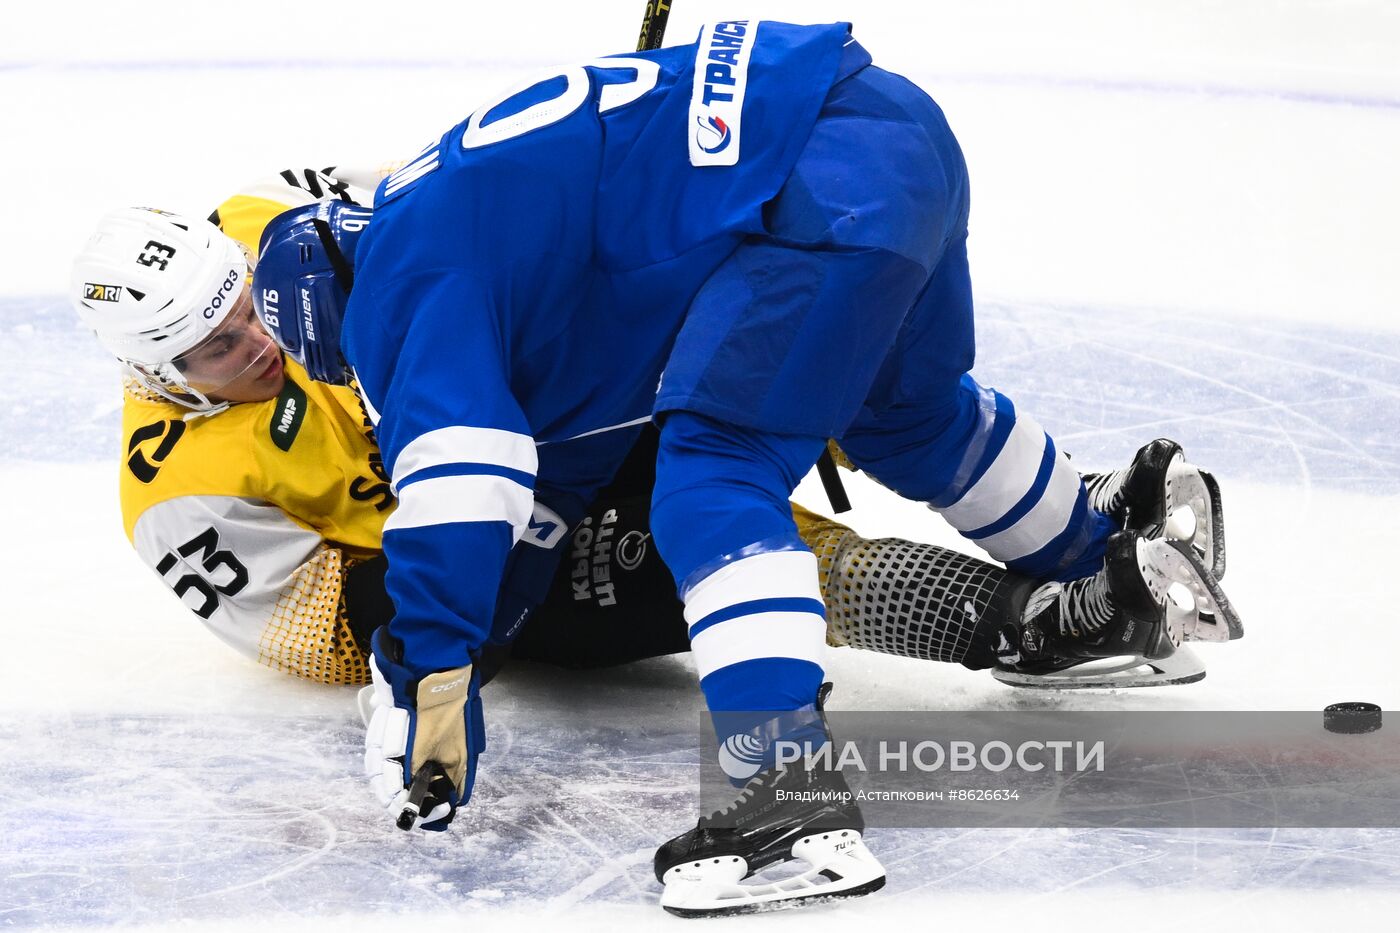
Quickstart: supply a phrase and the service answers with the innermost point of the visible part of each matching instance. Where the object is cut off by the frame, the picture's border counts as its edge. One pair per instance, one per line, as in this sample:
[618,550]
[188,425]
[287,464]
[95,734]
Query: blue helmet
[302,282]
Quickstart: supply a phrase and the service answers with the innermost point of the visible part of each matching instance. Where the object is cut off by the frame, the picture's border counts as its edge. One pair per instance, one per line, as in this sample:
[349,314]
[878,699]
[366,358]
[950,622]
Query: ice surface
[1183,224]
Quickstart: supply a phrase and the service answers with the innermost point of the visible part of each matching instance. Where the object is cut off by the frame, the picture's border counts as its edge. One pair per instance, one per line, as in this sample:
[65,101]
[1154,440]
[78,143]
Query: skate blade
[1182,667]
[1210,617]
[1189,487]
[840,867]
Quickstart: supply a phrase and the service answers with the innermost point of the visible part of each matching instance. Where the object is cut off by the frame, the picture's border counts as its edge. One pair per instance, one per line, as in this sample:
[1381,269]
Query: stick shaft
[654,25]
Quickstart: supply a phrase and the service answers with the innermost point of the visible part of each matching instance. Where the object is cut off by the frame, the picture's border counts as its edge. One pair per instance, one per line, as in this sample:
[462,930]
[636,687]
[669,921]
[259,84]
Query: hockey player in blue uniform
[758,241]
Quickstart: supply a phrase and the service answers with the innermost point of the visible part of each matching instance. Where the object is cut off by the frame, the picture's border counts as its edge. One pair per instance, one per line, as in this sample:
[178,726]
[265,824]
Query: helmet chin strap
[166,380]
[340,266]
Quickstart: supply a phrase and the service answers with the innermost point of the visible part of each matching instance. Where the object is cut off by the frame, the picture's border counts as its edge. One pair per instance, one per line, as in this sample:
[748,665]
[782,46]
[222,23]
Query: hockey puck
[1351,718]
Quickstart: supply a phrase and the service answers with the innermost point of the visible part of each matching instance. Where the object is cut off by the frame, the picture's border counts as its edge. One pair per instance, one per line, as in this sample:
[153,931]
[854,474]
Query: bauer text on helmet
[302,284]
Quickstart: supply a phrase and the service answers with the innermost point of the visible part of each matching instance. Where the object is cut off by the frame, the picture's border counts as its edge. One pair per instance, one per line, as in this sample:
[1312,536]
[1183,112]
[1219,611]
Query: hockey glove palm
[423,737]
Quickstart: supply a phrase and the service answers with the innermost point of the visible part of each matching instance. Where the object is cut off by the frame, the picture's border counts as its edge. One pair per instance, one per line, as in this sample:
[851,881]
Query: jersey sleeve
[365,176]
[247,212]
[262,583]
[429,353]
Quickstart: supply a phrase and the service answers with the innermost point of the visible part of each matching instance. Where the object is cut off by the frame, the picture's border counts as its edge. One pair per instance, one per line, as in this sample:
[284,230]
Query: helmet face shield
[236,358]
[155,287]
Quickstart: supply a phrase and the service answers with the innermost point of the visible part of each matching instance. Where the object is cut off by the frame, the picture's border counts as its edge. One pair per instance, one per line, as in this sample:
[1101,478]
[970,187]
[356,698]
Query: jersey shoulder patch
[287,416]
[149,445]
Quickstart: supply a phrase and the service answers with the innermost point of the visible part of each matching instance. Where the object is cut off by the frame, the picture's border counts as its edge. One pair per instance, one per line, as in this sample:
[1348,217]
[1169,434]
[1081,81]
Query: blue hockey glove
[423,737]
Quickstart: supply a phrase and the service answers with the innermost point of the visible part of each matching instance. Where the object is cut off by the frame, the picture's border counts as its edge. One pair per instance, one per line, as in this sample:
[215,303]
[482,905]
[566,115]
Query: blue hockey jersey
[520,287]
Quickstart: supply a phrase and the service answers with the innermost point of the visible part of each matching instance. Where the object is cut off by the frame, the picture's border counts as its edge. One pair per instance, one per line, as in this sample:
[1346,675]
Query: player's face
[239,362]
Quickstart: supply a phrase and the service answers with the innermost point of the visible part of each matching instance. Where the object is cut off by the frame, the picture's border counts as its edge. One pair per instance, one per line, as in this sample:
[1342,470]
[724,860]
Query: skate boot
[782,814]
[1122,627]
[1160,494]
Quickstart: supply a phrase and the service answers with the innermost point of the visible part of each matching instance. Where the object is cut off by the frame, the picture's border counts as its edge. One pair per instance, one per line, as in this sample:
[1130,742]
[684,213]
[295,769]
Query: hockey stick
[654,25]
[831,482]
[423,781]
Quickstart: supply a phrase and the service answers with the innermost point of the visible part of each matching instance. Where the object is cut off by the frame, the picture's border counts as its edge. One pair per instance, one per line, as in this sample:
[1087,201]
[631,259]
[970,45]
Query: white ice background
[1185,220]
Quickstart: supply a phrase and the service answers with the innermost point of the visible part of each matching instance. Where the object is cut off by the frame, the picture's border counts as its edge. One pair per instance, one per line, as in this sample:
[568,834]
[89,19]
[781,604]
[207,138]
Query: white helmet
[153,285]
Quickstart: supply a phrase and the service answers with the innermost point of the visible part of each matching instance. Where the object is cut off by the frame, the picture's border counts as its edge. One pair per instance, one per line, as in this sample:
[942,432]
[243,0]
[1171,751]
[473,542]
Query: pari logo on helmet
[93,292]
[303,280]
[152,286]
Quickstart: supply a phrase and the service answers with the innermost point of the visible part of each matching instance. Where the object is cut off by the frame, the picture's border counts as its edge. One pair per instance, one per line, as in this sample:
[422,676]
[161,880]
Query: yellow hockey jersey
[252,515]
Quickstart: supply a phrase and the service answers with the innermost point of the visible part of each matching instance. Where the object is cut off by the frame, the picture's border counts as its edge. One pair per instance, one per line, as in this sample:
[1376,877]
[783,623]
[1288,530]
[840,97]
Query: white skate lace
[1105,490]
[1086,606]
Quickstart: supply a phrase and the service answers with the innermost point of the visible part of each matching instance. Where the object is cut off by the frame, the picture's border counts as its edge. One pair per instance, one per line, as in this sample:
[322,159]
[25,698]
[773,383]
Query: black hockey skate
[782,814]
[1122,627]
[1160,494]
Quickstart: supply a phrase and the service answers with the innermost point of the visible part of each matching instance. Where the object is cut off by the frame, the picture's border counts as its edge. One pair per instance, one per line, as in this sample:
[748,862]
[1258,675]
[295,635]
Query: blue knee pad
[722,522]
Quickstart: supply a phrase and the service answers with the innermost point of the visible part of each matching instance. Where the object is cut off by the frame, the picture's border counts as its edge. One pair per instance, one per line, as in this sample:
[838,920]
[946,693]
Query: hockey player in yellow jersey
[256,515]
[258,496]
[252,491]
